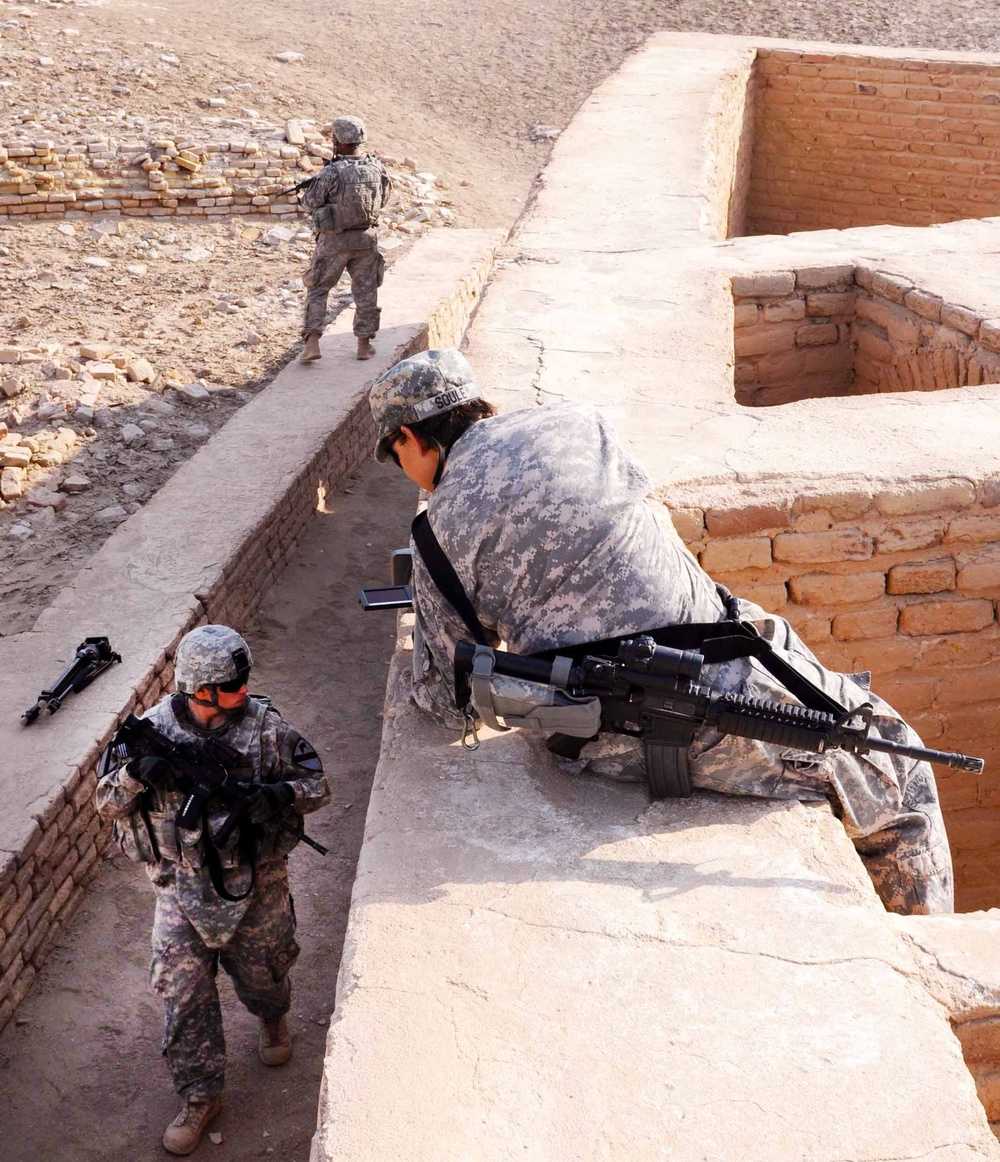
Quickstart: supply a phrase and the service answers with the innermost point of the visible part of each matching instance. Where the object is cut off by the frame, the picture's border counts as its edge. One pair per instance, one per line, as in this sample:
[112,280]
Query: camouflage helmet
[348,130]
[209,656]
[417,388]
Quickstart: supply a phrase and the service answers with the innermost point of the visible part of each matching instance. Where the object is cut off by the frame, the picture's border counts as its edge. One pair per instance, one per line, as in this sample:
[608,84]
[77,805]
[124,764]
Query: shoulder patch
[304,756]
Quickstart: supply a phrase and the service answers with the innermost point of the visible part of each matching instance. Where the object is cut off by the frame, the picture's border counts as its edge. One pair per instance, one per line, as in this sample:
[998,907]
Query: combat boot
[275,1042]
[311,351]
[187,1129]
[365,349]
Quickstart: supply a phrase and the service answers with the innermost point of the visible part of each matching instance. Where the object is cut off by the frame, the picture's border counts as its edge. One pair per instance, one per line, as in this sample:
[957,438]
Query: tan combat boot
[186,1130]
[275,1042]
[311,351]
[365,349]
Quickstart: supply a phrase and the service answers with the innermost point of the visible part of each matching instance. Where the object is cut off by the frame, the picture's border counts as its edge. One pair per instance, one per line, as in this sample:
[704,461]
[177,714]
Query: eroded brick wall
[843,139]
[904,583]
[846,330]
[730,151]
[41,885]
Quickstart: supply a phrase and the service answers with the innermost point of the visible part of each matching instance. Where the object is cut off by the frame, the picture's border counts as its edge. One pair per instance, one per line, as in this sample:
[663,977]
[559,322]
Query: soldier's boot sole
[311,351]
[186,1131]
[365,349]
[275,1042]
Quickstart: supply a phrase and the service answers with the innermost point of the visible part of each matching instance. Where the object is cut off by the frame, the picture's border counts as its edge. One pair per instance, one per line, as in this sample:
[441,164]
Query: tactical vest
[149,834]
[359,199]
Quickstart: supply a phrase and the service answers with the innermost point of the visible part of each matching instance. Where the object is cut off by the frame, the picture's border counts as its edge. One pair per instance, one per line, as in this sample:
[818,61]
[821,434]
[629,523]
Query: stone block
[826,303]
[689,523]
[776,283]
[926,305]
[736,553]
[837,589]
[989,334]
[814,548]
[821,277]
[763,339]
[11,487]
[772,598]
[936,576]
[742,521]
[816,335]
[966,687]
[17,456]
[961,318]
[910,536]
[974,529]
[979,576]
[785,311]
[910,501]
[941,617]
[891,286]
[865,623]
[140,371]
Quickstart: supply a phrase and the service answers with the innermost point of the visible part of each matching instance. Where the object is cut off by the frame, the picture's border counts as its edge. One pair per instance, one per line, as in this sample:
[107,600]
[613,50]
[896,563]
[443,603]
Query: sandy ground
[463,85]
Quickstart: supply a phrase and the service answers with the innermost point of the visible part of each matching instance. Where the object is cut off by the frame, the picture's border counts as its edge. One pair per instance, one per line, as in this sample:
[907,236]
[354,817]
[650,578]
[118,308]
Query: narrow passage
[81,1078]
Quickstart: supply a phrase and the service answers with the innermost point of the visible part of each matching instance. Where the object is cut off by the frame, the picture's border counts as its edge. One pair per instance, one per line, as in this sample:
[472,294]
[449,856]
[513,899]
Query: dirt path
[81,1077]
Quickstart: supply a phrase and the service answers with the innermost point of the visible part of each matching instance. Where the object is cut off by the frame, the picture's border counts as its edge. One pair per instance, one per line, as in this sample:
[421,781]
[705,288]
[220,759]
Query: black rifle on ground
[652,692]
[93,656]
[202,770]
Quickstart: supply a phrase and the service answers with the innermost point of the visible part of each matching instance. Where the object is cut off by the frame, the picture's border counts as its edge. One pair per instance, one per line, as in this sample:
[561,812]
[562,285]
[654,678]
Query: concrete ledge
[543,967]
[204,548]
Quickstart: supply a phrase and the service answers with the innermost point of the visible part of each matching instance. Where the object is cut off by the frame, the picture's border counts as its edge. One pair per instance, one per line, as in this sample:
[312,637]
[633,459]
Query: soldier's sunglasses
[387,446]
[233,687]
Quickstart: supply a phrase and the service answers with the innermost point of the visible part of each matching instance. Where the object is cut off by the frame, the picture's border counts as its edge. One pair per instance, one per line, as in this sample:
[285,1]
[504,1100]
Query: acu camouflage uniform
[194,929]
[545,519]
[346,197]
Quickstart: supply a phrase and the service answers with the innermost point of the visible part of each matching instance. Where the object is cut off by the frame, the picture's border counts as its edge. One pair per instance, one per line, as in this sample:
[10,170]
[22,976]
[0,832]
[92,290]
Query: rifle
[652,692]
[306,182]
[93,656]
[203,770]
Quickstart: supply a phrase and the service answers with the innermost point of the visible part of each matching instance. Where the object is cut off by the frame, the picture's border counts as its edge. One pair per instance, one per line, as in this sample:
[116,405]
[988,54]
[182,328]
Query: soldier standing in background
[345,199]
[216,903]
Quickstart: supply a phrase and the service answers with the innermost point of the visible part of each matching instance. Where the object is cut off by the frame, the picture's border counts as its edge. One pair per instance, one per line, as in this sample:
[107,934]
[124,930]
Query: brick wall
[905,583]
[163,177]
[846,330]
[730,151]
[41,885]
[847,140]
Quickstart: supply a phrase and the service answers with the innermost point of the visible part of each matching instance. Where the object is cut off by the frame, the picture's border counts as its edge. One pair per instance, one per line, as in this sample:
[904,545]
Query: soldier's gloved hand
[269,800]
[150,769]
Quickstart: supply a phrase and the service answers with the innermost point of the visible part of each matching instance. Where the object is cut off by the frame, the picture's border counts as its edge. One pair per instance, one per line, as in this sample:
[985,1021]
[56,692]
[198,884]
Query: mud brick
[8,978]
[936,576]
[926,305]
[865,623]
[974,529]
[14,942]
[23,983]
[736,553]
[87,865]
[961,318]
[940,617]
[823,277]
[689,523]
[741,521]
[837,589]
[926,499]
[774,284]
[814,548]
[89,835]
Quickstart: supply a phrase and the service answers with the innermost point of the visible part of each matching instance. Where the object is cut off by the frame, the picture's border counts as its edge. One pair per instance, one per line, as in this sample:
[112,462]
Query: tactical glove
[150,769]
[269,800]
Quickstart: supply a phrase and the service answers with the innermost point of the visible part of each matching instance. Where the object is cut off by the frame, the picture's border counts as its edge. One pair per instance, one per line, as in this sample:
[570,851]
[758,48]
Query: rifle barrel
[945,758]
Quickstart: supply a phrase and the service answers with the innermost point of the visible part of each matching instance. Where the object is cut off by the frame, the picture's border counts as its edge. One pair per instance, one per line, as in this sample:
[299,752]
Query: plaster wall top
[618,295]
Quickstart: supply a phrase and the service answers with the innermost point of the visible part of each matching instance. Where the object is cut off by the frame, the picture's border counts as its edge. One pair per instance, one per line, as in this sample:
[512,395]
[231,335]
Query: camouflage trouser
[183,973]
[365,267]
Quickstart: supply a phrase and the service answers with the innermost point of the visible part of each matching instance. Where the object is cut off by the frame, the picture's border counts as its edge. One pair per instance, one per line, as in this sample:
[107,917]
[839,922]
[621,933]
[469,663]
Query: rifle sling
[443,574]
[718,641]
